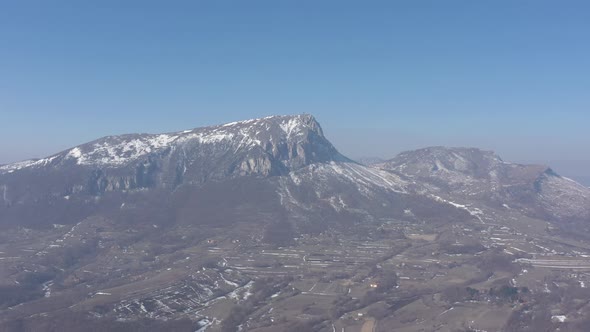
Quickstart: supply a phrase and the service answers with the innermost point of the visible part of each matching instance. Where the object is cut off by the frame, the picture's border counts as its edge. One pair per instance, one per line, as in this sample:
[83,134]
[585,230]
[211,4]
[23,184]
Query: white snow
[121,150]
[74,153]
[244,291]
[231,283]
[47,288]
[209,138]
[102,293]
[26,164]
[475,212]
[204,324]
[290,126]
[444,312]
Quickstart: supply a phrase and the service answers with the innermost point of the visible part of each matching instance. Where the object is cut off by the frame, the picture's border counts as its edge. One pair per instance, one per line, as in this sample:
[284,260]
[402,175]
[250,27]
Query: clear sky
[381,76]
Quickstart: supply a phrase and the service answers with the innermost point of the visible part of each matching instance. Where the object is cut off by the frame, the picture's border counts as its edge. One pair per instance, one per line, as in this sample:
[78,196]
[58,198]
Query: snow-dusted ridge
[9,168]
[295,146]
[113,151]
[364,178]
[119,152]
[469,174]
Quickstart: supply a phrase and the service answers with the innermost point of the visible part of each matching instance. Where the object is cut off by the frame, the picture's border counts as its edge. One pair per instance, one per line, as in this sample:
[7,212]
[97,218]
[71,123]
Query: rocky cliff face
[294,150]
[179,227]
[261,147]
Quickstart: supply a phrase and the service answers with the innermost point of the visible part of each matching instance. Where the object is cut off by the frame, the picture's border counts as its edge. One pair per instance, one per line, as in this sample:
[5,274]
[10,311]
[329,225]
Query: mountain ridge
[260,147]
[115,150]
[198,225]
[471,173]
[278,146]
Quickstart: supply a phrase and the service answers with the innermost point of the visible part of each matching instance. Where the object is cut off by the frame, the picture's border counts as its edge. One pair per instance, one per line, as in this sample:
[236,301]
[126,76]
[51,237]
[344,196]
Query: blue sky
[381,76]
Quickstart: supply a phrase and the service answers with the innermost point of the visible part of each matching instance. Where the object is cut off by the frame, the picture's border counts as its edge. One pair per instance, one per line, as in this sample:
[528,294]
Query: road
[369,325]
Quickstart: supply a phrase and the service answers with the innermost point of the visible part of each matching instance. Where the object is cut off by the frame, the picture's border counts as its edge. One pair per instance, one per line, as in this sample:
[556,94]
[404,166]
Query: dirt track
[368,325]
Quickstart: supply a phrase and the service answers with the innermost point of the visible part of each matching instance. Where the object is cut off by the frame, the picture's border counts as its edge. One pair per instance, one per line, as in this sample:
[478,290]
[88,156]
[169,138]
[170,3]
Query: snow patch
[475,212]
[290,126]
[74,153]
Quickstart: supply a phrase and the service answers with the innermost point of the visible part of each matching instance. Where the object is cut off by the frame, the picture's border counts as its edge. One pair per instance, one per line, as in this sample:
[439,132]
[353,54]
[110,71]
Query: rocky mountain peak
[290,125]
[470,173]
[444,160]
[269,133]
[273,145]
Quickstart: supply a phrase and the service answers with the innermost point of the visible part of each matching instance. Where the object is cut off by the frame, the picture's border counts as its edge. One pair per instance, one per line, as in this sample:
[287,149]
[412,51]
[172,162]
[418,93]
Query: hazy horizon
[381,78]
[578,170]
[138,196]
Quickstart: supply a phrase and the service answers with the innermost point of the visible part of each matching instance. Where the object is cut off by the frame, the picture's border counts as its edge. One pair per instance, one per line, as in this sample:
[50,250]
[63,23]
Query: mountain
[262,225]
[473,174]
[269,146]
[288,154]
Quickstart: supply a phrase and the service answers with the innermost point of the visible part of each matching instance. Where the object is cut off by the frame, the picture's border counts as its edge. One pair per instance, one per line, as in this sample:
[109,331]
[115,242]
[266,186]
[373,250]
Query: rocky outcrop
[473,174]
[261,147]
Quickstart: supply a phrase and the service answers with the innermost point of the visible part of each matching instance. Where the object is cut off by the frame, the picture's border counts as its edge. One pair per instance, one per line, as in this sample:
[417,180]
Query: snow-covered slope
[310,171]
[563,197]
[281,136]
[469,174]
[269,146]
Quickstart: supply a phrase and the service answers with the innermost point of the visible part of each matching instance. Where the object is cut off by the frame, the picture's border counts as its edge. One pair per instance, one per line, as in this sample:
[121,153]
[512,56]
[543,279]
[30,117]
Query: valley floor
[504,272]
